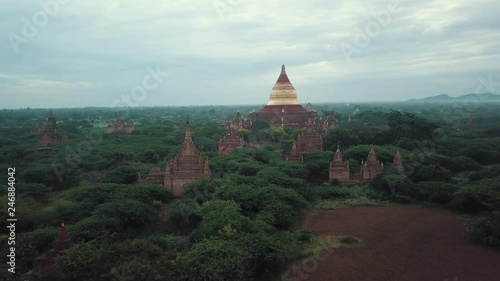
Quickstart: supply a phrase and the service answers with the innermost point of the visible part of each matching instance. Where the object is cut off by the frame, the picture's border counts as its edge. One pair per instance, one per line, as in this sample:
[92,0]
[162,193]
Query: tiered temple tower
[182,169]
[398,162]
[372,167]
[309,140]
[283,109]
[339,169]
[185,168]
[230,142]
[48,133]
[294,155]
[47,261]
[120,126]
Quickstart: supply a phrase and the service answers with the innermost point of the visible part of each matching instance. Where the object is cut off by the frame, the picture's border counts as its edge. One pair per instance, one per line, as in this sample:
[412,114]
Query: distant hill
[489,97]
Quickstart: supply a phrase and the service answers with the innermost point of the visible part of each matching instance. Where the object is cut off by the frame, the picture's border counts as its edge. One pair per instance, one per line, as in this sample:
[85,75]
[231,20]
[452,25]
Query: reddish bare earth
[401,243]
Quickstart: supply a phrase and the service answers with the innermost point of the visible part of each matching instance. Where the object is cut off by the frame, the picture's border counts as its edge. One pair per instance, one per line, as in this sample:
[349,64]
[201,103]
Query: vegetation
[243,223]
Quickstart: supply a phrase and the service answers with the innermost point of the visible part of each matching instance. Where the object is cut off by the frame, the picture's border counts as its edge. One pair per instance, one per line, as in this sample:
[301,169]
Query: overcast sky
[78,53]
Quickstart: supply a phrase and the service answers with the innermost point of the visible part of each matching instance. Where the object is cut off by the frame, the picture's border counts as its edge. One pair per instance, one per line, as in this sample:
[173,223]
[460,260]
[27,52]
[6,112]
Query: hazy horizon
[73,54]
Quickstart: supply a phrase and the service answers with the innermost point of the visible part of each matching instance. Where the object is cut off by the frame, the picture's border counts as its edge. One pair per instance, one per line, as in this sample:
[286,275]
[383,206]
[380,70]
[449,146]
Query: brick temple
[47,261]
[372,167]
[283,109]
[294,155]
[120,126]
[398,162]
[309,140]
[339,169]
[182,169]
[48,133]
[230,142]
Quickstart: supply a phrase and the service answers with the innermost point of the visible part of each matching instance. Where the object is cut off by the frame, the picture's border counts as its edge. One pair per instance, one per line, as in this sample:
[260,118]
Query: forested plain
[244,222]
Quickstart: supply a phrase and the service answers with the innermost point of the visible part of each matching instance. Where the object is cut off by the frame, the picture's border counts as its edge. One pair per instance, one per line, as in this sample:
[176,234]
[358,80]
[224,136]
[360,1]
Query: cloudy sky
[74,53]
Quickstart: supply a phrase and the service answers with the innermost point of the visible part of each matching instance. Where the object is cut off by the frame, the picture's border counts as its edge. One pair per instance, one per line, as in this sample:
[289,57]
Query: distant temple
[239,123]
[283,109]
[120,126]
[339,169]
[329,122]
[372,167]
[398,162]
[47,261]
[182,169]
[230,142]
[309,140]
[48,133]
[294,155]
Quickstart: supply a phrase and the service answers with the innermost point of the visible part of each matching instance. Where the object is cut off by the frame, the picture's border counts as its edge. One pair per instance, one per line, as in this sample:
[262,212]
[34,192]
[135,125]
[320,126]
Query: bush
[212,260]
[475,199]
[436,192]
[486,230]
[123,175]
[307,235]
[352,202]
[169,243]
[130,213]
[94,227]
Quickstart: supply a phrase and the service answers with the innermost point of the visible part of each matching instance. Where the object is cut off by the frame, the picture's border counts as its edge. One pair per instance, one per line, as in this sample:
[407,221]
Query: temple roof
[283,92]
[188,147]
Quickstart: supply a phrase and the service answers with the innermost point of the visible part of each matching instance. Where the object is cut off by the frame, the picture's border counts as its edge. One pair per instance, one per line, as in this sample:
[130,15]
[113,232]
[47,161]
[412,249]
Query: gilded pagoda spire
[283,92]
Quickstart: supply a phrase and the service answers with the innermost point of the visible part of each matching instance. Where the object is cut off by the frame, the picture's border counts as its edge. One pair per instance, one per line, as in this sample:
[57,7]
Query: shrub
[486,230]
[130,213]
[212,260]
[307,235]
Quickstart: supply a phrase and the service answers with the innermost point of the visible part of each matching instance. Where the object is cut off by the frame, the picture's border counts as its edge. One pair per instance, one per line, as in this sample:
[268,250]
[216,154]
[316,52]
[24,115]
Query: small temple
[372,167]
[120,126]
[240,123]
[47,261]
[339,169]
[230,142]
[48,133]
[182,169]
[294,155]
[309,140]
[398,162]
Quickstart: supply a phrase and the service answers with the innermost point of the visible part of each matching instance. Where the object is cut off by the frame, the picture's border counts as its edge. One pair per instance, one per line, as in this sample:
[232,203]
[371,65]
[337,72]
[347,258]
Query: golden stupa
[283,92]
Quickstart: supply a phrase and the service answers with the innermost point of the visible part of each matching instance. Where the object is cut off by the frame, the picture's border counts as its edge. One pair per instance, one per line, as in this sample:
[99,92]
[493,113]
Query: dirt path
[402,243]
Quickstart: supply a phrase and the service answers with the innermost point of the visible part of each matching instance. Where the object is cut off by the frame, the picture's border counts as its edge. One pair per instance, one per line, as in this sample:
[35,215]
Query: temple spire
[309,125]
[283,92]
[188,131]
[338,155]
[188,148]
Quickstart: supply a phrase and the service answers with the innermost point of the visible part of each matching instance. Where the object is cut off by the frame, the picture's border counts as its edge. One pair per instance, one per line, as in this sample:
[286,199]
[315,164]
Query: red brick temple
[339,169]
[230,142]
[49,133]
[294,155]
[283,109]
[309,140]
[239,123]
[398,162]
[120,126]
[372,167]
[47,261]
[182,169]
